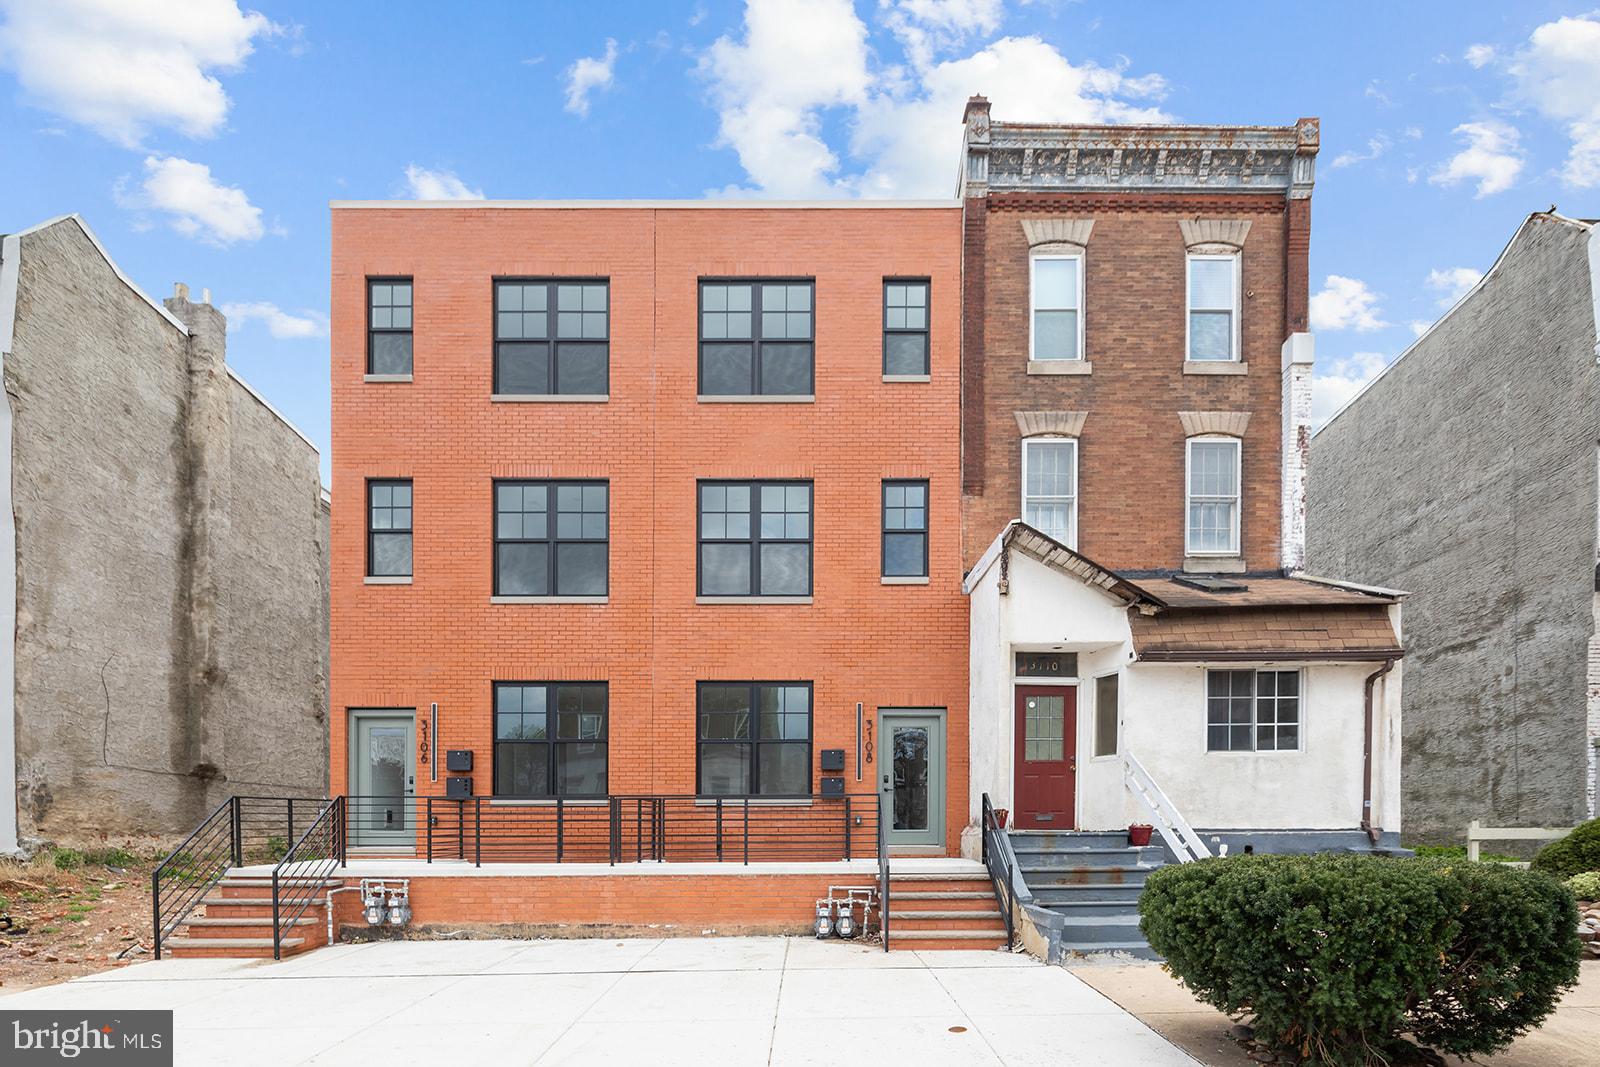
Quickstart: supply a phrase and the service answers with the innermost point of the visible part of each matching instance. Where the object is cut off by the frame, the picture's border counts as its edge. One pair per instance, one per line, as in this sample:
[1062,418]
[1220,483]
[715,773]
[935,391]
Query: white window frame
[1033,262]
[1253,752]
[1077,488]
[1237,329]
[1189,498]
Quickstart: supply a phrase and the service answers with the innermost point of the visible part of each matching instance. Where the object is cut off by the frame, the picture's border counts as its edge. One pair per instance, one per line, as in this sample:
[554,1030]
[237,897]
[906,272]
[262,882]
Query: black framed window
[905,327]
[1252,711]
[552,337]
[389,528]
[757,338]
[551,538]
[550,739]
[755,539]
[754,738]
[388,325]
[905,529]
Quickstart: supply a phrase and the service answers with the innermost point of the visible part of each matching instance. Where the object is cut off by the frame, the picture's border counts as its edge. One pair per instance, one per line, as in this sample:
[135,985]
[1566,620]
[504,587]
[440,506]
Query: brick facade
[440,639]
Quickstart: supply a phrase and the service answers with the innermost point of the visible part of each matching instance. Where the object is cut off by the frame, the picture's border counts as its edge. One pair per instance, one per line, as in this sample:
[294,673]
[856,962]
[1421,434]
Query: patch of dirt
[87,915]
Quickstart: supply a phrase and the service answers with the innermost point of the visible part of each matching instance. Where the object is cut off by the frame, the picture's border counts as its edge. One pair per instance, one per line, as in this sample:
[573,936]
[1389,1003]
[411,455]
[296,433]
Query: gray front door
[383,777]
[911,775]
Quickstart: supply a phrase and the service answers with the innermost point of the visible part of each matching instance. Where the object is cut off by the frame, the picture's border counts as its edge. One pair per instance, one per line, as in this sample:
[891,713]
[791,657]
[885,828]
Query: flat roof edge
[653,205]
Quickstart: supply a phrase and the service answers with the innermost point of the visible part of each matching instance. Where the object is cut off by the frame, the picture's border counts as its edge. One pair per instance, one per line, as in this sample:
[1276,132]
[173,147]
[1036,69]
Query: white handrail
[1169,822]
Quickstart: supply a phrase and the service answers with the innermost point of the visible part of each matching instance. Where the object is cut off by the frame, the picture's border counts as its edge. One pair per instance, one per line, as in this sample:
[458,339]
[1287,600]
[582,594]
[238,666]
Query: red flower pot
[1001,816]
[1139,835]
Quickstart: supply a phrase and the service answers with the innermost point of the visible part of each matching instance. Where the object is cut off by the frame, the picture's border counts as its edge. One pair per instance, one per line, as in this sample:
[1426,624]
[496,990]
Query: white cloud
[1453,282]
[926,27]
[195,203]
[1377,145]
[798,60]
[1479,55]
[1335,382]
[1492,157]
[124,67]
[425,184]
[1419,327]
[1345,304]
[590,74]
[1557,73]
[279,323]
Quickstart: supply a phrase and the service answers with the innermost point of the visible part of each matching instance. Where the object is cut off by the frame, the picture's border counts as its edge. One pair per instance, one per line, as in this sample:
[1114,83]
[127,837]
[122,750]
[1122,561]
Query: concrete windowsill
[387,579]
[386,377]
[763,600]
[549,398]
[808,398]
[546,802]
[1213,564]
[550,600]
[1215,366]
[1060,366]
[908,377]
[903,579]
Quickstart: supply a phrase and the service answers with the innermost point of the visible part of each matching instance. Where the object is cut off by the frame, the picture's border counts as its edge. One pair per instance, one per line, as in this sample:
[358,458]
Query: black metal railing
[1002,864]
[240,831]
[883,875]
[298,880]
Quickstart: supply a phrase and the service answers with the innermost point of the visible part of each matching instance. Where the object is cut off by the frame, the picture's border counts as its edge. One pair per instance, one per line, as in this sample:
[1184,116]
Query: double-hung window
[1213,307]
[550,739]
[755,539]
[757,338]
[389,528]
[1050,487]
[1252,711]
[389,326]
[1057,307]
[905,529]
[754,739]
[905,329]
[1212,527]
[551,539]
[551,337]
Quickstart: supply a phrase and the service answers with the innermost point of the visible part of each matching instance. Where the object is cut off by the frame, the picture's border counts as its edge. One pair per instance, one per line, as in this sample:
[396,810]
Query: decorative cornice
[1057,232]
[1214,235]
[1004,156]
[1051,423]
[1230,423]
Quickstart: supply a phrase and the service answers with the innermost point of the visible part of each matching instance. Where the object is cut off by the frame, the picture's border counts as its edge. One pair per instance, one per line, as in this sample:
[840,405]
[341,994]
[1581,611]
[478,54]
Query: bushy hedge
[1579,851]
[1335,957]
[1585,886]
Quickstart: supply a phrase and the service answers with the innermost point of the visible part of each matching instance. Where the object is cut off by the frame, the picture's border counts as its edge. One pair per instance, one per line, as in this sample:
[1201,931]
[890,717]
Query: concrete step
[1118,874]
[978,903]
[239,882]
[1137,949]
[1090,906]
[943,883]
[230,947]
[943,894]
[207,929]
[1049,894]
[1095,929]
[252,907]
[949,939]
[1089,857]
[908,922]
[1081,838]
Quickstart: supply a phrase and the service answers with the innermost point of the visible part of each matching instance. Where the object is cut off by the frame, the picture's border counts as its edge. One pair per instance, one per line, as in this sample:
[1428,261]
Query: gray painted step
[1089,838]
[1047,895]
[1037,876]
[1090,857]
[1137,949]
[1098,929]
[1091,907]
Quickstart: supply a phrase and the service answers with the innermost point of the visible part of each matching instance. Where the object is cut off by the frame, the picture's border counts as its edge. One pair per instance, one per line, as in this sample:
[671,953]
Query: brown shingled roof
[1258,592]
[1340,631]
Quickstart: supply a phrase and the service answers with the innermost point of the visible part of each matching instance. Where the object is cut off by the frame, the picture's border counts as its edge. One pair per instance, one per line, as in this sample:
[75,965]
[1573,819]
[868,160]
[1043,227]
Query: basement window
[1252,711]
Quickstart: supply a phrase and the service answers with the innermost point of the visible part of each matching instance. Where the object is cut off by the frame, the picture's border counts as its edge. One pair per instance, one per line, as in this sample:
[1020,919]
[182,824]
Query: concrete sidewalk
[728,1001]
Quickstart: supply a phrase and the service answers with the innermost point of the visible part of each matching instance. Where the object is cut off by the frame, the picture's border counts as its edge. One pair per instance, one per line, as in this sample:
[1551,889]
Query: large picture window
[389,326]
[1050,487]
[1212,525]
[755,539]
[550,739]
[551,539]
[757,338]
[389,528]
[1252,711]
[754,738]
[551,338]
[1213,307]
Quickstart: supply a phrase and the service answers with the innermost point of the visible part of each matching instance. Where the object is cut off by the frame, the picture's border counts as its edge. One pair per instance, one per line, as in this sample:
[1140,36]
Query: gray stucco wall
[1467,475]
[123,730]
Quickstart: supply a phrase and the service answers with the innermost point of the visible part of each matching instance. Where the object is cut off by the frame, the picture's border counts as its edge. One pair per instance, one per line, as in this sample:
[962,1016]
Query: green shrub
[1585,886]
[1336,957]
[1579,851]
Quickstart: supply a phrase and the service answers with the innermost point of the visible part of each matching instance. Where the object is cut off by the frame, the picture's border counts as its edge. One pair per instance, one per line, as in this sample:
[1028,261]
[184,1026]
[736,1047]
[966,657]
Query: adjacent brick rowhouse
[440,639]
[1131,448]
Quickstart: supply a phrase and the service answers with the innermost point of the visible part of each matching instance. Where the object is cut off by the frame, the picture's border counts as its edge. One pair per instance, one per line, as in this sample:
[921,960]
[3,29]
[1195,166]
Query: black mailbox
[458,759]
[833,787]
[833,759]
[458,788]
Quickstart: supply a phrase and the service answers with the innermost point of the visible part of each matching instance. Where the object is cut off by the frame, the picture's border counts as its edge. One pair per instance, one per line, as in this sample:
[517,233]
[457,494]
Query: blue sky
[202,140]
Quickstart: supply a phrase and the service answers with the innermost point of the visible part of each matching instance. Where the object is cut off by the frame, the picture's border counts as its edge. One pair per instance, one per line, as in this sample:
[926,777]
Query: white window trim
[1253,753]
[1077,489]
[1188,496]
[1237,329]
[1033,261]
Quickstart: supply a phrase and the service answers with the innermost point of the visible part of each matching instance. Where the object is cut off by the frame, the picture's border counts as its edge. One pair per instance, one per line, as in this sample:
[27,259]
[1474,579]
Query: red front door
[1046,764]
